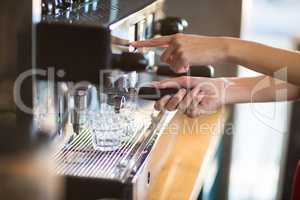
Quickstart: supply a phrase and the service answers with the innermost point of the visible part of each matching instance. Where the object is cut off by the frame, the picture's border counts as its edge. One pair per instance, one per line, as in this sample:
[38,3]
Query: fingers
[160,105]
[192,104]
[170,103]
[188,100]
[179,66]
[161,41]
[195,102]
[194,109]
[174,54]
[193,113]
[175,100]
[167,55]
[197,98]
[179,63]
[175,58]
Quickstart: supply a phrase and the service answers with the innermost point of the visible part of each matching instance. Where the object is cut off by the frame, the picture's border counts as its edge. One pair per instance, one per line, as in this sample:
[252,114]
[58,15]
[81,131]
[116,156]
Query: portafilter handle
[128,62]
[198,71]
[154,94]
[170,26]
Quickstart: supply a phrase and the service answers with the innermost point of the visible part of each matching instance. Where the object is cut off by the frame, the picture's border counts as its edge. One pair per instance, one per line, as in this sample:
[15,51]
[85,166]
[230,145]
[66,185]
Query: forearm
[259,89]
[264,59]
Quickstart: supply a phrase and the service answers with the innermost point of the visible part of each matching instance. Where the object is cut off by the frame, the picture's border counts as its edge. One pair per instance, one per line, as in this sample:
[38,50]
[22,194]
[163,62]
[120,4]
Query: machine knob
[129,62]
[170,26]
[154,94]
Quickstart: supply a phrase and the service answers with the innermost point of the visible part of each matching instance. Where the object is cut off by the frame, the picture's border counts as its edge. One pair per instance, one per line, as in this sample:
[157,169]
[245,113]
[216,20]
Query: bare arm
[264,59]
[259,89]
[207,95]
[182,50]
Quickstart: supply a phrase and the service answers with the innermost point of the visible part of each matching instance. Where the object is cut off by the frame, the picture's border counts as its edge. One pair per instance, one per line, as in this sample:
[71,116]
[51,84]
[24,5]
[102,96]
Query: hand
[197,95]
[182,51]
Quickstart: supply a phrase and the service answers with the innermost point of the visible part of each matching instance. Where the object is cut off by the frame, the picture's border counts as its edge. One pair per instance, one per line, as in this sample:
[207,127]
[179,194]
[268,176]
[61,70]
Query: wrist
[220,88]
[226,90]
[236,90]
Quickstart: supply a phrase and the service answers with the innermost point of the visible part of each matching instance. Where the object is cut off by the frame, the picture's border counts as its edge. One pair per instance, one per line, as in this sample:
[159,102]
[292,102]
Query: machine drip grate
[79,158]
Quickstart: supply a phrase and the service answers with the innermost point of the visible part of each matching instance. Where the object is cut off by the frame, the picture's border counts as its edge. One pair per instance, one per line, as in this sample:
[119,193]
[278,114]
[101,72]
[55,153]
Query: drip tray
[79,158]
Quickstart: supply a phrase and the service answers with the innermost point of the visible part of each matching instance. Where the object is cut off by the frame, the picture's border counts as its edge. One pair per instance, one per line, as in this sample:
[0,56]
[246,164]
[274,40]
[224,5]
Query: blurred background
[260,144]
[261,136]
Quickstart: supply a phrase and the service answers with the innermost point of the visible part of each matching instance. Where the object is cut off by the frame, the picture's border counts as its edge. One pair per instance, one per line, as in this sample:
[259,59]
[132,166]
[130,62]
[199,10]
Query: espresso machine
[81,59]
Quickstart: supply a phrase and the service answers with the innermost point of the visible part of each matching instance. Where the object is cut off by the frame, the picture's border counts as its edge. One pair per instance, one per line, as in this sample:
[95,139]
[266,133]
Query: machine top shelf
[104,12]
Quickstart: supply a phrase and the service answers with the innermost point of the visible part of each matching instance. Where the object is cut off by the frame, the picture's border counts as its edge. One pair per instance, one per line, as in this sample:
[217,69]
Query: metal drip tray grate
[78,158]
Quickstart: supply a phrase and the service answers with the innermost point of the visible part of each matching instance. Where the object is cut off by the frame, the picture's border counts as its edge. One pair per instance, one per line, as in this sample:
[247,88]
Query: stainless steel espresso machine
[80,60]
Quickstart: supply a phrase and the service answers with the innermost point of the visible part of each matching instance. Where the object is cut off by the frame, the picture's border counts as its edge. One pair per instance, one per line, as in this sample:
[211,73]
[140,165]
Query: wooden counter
[195,145]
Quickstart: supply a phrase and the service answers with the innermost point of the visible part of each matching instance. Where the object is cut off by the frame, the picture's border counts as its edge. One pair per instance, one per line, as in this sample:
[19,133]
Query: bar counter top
[196,142]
